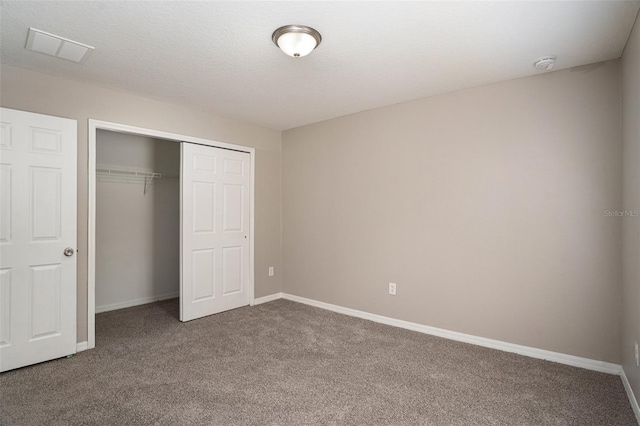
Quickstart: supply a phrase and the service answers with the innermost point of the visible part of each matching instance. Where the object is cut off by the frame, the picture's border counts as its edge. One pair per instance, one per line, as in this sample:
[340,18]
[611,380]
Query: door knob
[68,252]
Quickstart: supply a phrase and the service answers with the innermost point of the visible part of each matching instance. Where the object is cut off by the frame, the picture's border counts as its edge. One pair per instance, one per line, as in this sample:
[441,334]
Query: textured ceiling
[219,55]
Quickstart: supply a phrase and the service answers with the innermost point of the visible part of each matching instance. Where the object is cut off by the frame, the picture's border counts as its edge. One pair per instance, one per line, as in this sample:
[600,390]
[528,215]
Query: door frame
[93,127]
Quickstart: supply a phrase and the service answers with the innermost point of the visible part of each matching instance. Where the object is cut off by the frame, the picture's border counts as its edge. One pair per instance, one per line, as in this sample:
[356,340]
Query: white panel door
[215,223]
[38,170]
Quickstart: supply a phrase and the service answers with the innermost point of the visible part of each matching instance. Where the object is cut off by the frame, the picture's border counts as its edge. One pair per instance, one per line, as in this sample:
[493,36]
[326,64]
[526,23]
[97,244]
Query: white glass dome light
[296,40]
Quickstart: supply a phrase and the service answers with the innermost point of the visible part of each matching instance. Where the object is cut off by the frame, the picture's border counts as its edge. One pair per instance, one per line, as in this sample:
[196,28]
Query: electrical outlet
[270,271]
[637,356]
[392,289]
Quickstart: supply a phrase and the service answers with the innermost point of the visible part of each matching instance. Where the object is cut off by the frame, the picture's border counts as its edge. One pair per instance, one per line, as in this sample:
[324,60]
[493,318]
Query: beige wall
[485,206]
[631,185]
[36,92]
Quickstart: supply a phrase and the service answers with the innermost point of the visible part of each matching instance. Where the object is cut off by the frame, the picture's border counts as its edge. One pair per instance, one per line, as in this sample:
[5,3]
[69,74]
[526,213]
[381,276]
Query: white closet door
[38,157]
[215,219]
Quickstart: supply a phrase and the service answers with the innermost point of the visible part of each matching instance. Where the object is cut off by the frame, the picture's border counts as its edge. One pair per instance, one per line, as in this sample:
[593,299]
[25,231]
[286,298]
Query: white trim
[632,397]
[575,361]
[81,346]
[91,237]
[136,302]
[181,249]
[94,125]
[252,233]
[269,298]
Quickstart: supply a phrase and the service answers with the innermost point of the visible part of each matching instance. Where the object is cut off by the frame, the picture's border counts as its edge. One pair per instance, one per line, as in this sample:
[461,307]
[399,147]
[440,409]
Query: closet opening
[137,220]
[170,216]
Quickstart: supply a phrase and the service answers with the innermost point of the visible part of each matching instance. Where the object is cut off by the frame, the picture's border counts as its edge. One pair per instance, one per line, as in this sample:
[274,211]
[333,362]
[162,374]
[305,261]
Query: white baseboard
[575,361]
[136,302]
[82,346]
[632,397]
[265,299]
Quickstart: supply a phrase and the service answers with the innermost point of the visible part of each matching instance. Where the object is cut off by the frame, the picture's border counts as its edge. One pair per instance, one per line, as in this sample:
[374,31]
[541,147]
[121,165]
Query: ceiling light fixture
[296,40]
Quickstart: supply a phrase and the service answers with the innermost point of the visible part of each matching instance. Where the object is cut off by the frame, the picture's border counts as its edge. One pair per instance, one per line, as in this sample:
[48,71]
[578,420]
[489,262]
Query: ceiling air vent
[57,46]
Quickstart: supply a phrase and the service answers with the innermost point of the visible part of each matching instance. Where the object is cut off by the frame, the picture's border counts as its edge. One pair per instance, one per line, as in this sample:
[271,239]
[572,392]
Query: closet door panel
[204,215]
[203,274]
[214,230]
[231,270]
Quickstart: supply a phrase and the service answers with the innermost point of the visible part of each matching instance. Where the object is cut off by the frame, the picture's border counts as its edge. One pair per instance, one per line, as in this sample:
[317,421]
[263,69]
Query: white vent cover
[545,63]
[49,44]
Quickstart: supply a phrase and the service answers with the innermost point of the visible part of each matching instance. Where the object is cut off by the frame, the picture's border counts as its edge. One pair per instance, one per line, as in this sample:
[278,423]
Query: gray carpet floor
[284,363]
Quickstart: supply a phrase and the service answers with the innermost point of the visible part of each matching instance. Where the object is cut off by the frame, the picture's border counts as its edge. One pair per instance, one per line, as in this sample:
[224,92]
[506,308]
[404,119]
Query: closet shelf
[128,173]
[121,175]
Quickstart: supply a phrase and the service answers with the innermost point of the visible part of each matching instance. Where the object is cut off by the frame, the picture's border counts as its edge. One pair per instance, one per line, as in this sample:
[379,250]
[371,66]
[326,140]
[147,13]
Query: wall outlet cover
[392,289]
